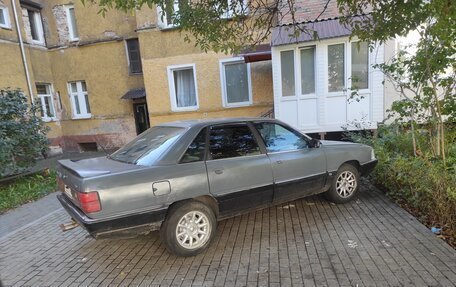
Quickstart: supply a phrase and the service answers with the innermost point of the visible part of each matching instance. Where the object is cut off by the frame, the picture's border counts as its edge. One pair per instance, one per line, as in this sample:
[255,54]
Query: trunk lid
[96,166]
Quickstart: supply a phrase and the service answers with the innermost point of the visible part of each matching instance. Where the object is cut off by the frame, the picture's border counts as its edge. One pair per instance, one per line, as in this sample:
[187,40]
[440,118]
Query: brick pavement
[310,242]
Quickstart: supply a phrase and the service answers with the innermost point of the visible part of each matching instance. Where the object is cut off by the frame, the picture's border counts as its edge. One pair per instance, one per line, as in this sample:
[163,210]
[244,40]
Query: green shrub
[420,182]
[22,133]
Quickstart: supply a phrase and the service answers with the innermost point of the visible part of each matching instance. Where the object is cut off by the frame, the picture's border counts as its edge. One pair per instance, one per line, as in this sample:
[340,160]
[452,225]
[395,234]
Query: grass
[26,189]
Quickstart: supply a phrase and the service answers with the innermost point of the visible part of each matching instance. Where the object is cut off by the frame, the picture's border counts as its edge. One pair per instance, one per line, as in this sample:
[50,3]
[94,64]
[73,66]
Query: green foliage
[422,183]
[22,133]
[26,189]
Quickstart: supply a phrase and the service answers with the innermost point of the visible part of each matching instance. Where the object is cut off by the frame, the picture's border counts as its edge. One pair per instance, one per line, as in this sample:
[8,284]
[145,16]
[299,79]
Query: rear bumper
[368,167]
[132,224]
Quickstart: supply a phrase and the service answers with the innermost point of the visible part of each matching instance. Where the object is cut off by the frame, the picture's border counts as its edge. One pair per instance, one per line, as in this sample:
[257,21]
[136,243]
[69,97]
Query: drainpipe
[21,45]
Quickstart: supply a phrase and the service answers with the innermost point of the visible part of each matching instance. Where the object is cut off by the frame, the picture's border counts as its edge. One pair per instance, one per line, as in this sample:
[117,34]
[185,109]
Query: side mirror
[314,143]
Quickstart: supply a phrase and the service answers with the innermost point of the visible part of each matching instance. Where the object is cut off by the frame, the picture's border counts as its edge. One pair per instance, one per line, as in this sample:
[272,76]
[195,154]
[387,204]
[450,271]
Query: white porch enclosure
[314,81]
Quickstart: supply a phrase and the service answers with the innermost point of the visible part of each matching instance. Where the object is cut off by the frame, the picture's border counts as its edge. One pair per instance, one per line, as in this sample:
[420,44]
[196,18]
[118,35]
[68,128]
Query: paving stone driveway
[367,242]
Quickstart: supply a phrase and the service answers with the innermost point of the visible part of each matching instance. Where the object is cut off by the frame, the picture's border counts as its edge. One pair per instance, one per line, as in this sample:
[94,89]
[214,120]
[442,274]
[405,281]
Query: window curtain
[185,88]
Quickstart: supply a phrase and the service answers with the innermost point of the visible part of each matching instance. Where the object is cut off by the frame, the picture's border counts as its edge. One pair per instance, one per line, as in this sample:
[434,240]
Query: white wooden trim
[38,25]
[172,92]
[50,94]
[222,64]
[70,24]
[81,100]
[5,12]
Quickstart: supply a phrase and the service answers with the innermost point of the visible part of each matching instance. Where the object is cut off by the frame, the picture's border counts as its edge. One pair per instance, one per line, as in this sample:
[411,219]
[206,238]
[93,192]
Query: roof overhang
[134,94]
[257,53]
[311,31]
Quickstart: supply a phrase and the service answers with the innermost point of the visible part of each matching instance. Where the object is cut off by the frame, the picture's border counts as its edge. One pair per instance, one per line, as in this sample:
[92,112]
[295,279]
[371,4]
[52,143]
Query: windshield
[149,146]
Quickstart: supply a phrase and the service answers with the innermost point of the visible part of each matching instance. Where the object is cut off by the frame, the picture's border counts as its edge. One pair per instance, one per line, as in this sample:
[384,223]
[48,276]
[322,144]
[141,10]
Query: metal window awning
[311,31]
[257,53]
[134,94]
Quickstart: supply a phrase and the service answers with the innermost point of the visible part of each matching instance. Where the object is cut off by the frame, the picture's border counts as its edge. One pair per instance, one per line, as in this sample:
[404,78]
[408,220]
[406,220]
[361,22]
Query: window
[79,99]
[72,25]
[182,87]
[336,68]
[278,138]
[196,150]
[232,141]
[360,65]
[236,85]
[308,71]
[44,92]
[4,17]
[234,6]
[36,26]
[134,56]
[167,16]
[288,73]
[149,146]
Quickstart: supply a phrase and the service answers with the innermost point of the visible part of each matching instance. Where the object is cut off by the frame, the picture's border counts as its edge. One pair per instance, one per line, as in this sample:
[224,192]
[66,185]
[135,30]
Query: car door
[239,172]
[298,169]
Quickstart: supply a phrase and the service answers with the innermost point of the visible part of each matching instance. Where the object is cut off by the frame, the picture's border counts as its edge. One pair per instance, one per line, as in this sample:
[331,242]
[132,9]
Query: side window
[232,141]
[195,151]
[278,138]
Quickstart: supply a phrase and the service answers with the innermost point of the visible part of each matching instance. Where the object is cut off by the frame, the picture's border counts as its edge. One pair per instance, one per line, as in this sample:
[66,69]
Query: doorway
[141,117]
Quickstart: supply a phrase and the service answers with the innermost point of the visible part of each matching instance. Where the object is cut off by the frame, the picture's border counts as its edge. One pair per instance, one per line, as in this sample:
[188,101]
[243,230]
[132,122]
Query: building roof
[310,31]
[134,94]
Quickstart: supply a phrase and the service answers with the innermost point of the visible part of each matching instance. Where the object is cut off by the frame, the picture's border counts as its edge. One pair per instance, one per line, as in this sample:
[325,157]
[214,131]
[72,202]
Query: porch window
[236,86]
[336,68]
[47,103]
[359,65]
[288,73]
[79,99]
[182,85]
[4,18]
[72,25]
[308,71]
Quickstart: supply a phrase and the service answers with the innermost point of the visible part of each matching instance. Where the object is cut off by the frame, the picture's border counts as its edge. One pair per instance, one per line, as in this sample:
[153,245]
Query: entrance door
[141,117]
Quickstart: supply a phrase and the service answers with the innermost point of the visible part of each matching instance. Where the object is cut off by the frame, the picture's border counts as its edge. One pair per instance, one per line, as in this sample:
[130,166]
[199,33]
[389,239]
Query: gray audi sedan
[182,177]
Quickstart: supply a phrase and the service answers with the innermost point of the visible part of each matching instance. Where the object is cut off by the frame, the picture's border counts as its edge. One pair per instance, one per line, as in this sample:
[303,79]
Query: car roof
[211,121]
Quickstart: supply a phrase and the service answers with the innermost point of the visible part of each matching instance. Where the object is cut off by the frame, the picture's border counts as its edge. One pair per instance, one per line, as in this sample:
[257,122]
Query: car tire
[345,184]
[188,228]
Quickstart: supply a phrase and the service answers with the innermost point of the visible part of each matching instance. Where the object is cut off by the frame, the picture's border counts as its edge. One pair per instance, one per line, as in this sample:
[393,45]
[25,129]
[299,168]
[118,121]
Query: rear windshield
[149,146]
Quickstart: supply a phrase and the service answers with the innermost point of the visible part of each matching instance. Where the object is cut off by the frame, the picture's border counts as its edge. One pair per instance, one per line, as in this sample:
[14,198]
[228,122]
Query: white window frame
[347,70]
[223,63]
[38,25]
[298,75]
[81,99]
[172,91]
[43,105]
[369,69]
[5,12]
[163,22]
[229,13]
[70,24]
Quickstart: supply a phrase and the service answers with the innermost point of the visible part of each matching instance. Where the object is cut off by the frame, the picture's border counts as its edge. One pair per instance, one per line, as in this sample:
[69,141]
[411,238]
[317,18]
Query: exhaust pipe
[68,226]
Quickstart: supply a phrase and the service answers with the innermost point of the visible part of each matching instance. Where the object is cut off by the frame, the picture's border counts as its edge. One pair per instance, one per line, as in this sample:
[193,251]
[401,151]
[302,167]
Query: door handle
[279,162]
[218,171]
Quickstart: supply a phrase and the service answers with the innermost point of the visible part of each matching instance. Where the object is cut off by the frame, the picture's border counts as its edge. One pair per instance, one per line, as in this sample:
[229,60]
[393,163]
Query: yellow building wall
[104,68]
[161,49]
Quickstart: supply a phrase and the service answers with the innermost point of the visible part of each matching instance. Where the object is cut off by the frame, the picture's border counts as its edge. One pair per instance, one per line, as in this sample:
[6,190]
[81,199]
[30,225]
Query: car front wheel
[345,185]
[188,228]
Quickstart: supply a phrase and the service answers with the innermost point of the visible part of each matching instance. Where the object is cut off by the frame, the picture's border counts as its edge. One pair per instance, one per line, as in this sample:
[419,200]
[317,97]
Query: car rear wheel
[188,228]
[345,184]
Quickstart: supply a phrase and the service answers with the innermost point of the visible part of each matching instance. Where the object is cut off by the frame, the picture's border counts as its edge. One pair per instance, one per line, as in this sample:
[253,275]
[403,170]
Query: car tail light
[90,202]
